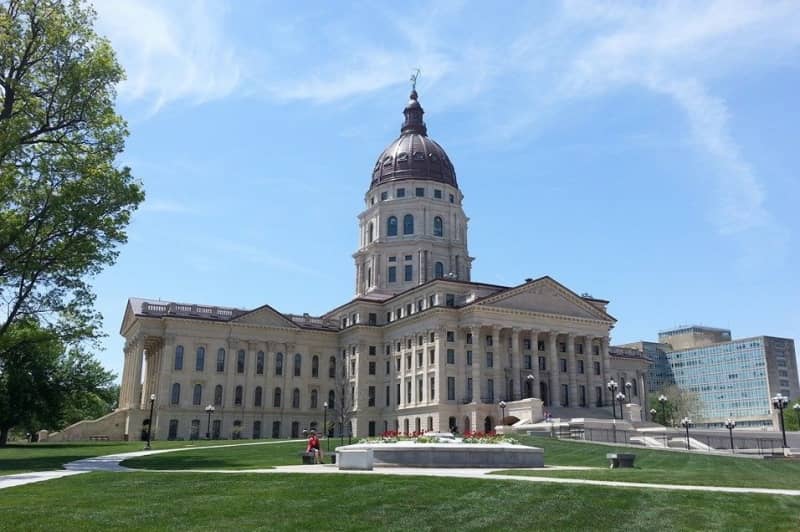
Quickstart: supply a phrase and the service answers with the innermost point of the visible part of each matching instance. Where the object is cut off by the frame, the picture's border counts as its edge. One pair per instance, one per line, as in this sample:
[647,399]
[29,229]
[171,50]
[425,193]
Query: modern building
[421,346]
[732,378]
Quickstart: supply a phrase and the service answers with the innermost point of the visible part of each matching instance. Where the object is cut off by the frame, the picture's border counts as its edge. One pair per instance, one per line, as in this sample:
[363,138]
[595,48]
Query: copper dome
[413,155]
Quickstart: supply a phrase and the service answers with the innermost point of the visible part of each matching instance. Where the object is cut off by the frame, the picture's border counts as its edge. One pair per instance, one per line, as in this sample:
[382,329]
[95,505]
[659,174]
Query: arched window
[298,361]
[296,398]
[218,395]
[438,270]
[391,226]
[237,396]
[331,399]
[276,399]
[279,364]
[438,226]
[176,393]
[260,363]
[179,357]
[220,360]
[240,357]
[197,395]
[314,399]
[315,366]
[370,232]
[257,396]
[408,224]
[200,359]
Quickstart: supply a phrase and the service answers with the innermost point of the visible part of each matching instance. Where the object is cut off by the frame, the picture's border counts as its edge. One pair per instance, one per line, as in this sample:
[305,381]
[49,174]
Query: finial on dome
[413,111]
[413,80]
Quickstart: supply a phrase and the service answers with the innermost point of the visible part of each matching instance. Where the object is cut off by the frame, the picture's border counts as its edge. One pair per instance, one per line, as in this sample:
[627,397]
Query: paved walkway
[111,463]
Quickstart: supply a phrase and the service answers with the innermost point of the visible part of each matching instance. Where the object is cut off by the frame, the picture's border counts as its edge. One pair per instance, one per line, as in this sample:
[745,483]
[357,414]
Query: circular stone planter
[410,454]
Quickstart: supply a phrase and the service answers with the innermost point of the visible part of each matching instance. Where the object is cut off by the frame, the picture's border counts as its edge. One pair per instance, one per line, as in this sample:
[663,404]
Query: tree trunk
[3,436]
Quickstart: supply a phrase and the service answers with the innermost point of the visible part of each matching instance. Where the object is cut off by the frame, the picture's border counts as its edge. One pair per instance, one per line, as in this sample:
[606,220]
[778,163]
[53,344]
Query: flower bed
[435,437]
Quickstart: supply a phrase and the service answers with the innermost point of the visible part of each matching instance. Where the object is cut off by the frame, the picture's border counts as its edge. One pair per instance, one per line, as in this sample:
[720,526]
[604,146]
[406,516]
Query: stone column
[555,370]
[516,363]
[477,359]
[138,359]
[572,371]
[496,372]
[605,359]
[588,368]
[535,364]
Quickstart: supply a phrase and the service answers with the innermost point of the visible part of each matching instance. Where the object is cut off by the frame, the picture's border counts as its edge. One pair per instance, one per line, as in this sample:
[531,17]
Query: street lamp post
[209,410]
[653,413]
[502,405]
[628,386]
[530,378]
[325,426]
[150,421]
[686,423]
[780,402]
[612,387]
[796,409]
[621,399]
[662,399]
[730,425]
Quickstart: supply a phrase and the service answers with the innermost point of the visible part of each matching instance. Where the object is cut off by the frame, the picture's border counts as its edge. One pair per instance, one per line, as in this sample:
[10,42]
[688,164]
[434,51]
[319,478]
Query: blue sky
[646,153]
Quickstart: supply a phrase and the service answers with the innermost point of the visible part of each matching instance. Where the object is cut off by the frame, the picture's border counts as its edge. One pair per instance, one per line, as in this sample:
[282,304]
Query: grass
[195,501]
[664,467]
[243,457]
[24,457]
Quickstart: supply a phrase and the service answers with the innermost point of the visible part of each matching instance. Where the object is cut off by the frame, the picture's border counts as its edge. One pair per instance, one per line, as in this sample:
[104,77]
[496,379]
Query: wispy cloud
[255,254]
[166,207]
[171,51]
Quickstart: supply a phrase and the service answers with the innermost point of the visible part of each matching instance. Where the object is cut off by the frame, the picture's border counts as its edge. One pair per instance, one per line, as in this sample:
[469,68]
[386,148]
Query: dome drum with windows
[413,155]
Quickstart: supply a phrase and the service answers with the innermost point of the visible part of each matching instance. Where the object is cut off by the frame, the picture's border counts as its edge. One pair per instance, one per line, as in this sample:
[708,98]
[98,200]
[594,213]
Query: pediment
[266,316]
[546,296]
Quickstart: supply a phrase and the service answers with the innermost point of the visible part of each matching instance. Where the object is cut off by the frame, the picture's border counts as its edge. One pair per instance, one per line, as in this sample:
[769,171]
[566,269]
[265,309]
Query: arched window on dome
[408,224]
[438,270]
[370,232]
[438,226]
[391,226]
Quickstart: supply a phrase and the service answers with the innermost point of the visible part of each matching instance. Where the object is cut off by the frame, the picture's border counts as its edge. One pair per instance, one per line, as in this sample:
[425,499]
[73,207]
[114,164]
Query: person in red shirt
[315,447]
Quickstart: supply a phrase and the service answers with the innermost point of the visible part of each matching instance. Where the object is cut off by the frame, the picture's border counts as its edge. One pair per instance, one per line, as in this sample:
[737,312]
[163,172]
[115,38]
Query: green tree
[44,386]
[680,403]
[64,203]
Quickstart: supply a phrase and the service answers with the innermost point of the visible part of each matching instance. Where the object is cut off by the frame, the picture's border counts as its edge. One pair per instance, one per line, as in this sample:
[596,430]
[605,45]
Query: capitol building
[421,346]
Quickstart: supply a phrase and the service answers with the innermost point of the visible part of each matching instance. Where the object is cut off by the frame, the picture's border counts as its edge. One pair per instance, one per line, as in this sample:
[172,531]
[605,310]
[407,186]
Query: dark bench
[307,458]
[618,460]
[99,438]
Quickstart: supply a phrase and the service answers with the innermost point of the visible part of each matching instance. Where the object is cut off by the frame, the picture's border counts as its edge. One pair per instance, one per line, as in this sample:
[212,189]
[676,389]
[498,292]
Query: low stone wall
[409,454]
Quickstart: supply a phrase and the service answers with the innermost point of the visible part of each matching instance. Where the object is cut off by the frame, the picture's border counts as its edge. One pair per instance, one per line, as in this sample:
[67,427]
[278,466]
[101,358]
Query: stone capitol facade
[420,347]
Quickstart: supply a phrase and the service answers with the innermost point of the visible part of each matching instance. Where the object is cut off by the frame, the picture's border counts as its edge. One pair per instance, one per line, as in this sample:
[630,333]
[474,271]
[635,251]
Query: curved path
[112,463]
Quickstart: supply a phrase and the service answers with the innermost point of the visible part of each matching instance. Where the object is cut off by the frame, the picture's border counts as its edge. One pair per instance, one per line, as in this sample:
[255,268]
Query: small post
[150,421]
[730,424]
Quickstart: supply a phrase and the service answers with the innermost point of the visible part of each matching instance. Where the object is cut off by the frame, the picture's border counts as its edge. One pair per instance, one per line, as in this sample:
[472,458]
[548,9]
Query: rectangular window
[582,394]
[469,338]
[540,345]
[373,350]
[408,391]
[419,390]
[397,363]
[397,389]
[526,343]
[469,358]
[450,300]
[431,301]
[401,193]
[452,198]
[489,339]
[437,194]
[597,368]
[468,398]
[562,347]
[432,356]
[579,347]
[392,277]
[542,364]
[384,196]
[489,359]
[563,363]
[388,317]
[372,319]
[432,394]
[420,302]
[451,388]
[408,309]
[388,397]
[240,358]
[419,192]
[580,367]
[596,350]
[419,359]
[451,336]
[409,275]
[490,390]
[408,362]
[371,396]
[528,362]
[451,356]
[372,368]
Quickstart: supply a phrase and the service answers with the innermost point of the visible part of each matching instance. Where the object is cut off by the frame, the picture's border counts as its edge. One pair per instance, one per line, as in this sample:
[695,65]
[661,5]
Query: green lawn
[244,457]
[246,501]
[664,467]
[24,457]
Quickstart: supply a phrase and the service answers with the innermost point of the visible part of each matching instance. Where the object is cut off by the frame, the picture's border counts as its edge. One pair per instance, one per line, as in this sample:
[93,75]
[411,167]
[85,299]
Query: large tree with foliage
[64,201]
[45,385]
[680,403]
